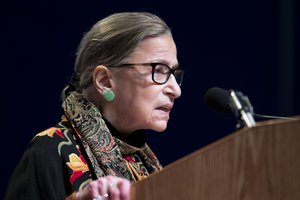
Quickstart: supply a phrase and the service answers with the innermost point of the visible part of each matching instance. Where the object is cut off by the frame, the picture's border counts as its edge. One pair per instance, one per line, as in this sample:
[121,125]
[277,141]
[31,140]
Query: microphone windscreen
[218,99]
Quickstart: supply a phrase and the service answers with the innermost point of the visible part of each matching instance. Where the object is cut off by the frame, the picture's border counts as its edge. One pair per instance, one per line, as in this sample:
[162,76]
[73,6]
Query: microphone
[218,99]
[222,101]
[230,101]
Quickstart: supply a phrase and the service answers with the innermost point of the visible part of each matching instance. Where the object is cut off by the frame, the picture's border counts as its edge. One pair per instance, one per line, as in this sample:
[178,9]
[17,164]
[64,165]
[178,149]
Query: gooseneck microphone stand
[242,109]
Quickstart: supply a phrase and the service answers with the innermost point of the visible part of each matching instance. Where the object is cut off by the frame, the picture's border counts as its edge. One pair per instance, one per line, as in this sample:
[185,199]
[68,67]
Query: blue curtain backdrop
[251,46]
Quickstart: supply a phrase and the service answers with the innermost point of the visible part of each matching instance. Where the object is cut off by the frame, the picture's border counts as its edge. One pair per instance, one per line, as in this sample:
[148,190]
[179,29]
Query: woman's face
[139,102]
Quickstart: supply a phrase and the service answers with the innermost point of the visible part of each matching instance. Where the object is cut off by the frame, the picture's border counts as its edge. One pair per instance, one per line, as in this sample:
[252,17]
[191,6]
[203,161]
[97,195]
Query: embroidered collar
[105,151]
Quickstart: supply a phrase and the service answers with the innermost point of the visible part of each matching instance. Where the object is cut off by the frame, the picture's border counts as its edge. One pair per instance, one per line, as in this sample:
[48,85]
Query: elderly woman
[125,81]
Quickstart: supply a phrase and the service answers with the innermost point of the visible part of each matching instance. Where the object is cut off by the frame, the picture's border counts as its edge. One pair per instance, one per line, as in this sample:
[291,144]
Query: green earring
[109,95]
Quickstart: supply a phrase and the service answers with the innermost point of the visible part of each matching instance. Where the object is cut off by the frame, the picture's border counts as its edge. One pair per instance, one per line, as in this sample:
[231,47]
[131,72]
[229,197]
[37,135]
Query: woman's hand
[106,188]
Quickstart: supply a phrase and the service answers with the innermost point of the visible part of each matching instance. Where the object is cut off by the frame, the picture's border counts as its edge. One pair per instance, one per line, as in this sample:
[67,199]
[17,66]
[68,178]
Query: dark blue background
[250,45]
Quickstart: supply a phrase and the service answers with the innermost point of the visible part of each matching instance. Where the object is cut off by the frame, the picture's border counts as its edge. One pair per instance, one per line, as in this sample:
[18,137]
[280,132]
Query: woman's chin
[160,126]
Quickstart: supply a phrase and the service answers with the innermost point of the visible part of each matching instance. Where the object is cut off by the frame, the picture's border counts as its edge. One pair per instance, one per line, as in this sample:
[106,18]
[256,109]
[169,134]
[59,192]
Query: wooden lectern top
[261,162]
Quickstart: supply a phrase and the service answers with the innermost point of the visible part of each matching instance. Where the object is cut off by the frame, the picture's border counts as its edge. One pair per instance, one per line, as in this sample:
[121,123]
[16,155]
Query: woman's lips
[166,107]
[163,109]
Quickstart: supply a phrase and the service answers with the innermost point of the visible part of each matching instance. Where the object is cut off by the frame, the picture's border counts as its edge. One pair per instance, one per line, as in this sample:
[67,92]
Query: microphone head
[218,99]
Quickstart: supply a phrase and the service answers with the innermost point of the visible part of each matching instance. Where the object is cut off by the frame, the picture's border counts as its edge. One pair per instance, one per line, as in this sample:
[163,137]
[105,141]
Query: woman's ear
[101,78]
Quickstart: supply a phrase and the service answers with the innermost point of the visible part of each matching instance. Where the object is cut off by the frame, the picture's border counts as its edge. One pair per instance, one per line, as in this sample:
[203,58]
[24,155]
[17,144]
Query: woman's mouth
[163,109]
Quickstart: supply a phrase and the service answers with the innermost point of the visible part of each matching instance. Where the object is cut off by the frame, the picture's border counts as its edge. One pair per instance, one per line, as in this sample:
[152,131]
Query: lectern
[261,162]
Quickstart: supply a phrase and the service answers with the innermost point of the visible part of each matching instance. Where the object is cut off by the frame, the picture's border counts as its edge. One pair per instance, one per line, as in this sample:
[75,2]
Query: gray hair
[111,40]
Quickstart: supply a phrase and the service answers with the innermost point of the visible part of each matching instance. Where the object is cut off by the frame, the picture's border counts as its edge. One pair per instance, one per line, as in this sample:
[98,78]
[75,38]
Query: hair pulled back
[110,41]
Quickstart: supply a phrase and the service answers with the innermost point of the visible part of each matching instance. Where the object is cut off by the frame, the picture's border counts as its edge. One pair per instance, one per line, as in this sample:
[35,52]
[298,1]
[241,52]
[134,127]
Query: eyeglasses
[161,72]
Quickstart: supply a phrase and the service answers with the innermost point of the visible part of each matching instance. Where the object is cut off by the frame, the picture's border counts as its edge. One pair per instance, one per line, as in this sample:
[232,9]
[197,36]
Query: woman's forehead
[158,49]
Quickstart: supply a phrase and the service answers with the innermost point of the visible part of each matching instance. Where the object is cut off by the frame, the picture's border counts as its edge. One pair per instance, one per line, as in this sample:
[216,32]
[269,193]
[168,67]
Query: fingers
[113,191]
[91,191]
[124,187]
[118,188]
[98,197]
[106,188]
[102,186]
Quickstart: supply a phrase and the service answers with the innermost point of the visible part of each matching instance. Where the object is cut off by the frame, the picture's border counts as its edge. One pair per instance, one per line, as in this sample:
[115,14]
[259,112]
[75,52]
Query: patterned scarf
[105,151]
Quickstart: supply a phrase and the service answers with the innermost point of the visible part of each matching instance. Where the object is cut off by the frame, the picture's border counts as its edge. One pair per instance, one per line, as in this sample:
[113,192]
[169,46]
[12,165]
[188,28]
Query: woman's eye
[161,69]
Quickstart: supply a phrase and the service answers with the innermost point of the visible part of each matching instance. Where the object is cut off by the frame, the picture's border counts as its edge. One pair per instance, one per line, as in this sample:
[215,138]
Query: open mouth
[165,108]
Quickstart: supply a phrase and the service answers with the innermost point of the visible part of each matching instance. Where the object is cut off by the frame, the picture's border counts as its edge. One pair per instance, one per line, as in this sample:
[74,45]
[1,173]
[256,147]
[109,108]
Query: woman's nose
[173,87]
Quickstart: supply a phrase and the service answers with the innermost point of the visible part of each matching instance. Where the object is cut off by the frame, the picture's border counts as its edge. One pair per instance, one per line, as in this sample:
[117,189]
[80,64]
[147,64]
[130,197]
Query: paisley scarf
[106,152]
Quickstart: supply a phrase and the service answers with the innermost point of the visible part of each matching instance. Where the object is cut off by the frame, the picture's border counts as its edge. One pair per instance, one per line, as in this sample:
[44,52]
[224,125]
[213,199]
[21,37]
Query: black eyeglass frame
[153,65]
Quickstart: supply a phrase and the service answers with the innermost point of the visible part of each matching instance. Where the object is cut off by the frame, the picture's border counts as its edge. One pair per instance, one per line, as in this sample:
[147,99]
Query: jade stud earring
[109,95]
